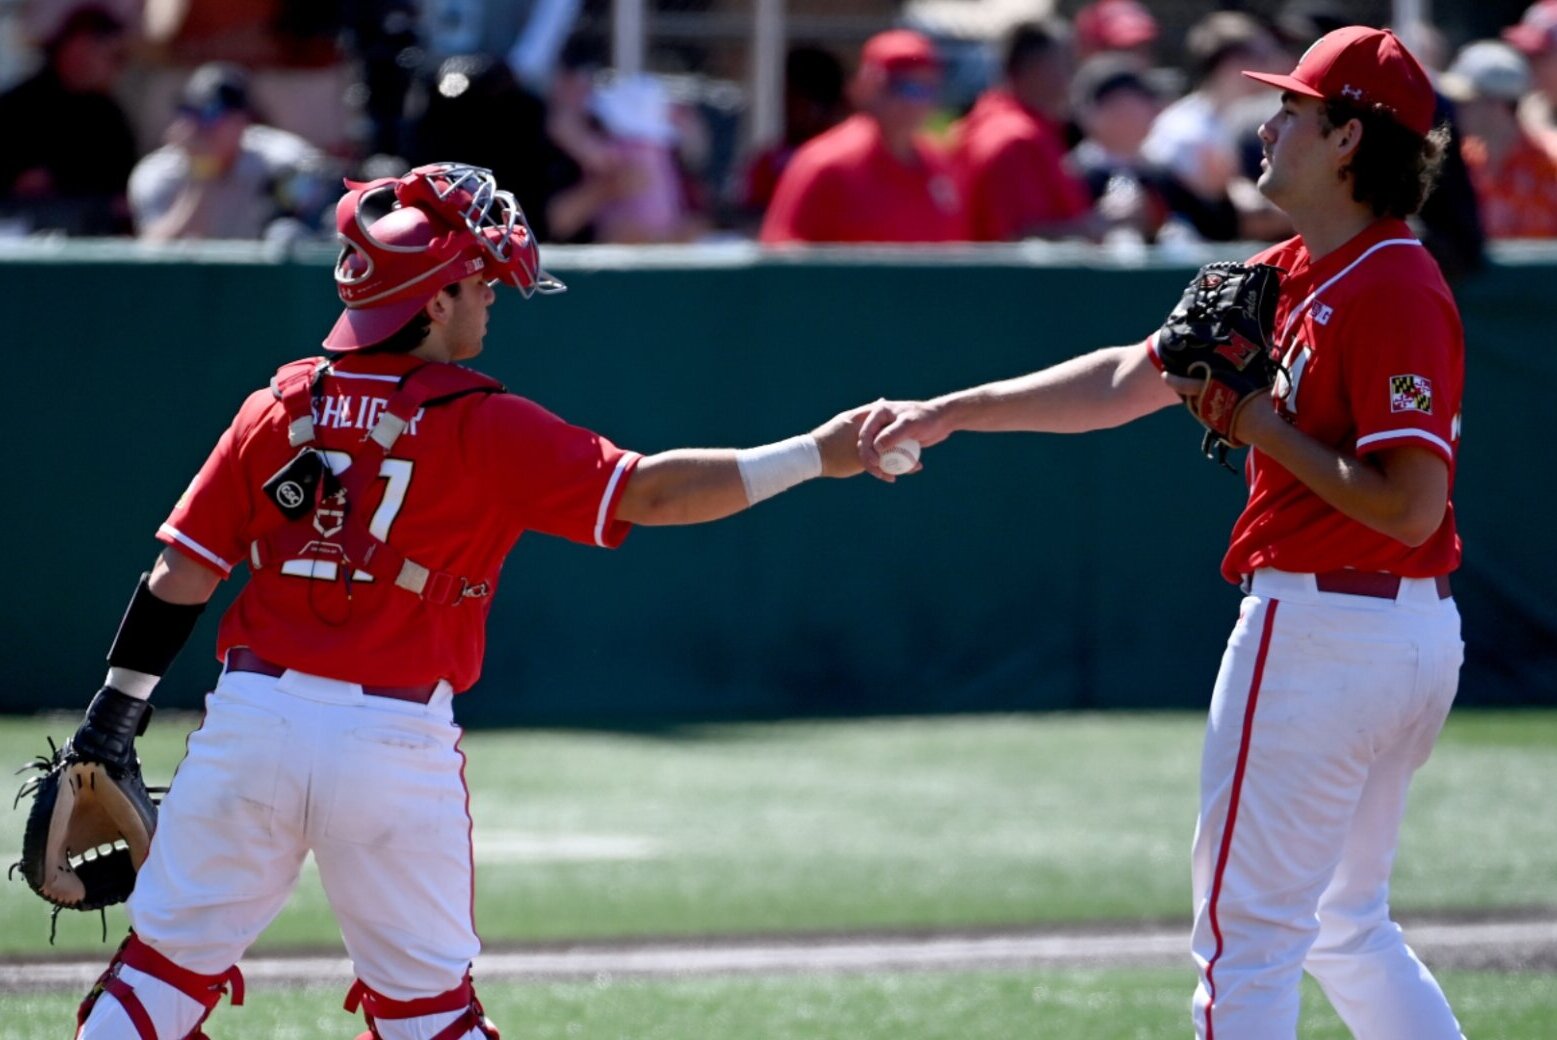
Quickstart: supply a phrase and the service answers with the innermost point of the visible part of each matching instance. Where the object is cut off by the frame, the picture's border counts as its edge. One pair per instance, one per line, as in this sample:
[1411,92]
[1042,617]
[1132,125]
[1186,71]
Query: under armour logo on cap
[1361,64]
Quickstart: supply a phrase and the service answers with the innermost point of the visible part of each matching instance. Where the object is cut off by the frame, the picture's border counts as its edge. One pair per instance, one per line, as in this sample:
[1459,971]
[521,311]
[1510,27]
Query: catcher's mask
[404,239]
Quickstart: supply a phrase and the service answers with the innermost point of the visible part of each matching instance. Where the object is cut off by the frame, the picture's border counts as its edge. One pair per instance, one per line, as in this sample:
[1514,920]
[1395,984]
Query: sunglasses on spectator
[913,89]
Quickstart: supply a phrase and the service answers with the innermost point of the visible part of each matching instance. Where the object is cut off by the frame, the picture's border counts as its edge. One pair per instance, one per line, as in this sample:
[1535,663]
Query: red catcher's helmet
[438,224]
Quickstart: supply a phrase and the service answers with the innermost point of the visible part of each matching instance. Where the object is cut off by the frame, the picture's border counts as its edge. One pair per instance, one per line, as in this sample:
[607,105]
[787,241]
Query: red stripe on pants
[1232,805]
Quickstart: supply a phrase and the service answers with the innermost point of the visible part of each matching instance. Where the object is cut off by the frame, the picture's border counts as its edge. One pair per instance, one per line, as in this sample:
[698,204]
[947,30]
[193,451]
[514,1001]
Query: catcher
[373,493]
[1346,655]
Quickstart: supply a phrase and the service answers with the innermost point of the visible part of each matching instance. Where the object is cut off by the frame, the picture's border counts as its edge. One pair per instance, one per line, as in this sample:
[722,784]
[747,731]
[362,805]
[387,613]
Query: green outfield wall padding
[1014,573]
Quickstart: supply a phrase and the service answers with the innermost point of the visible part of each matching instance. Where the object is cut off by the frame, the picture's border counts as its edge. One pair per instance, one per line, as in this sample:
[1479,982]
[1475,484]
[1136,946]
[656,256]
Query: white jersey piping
[605,499]
[1432,438]
[194,547]
[1297,311]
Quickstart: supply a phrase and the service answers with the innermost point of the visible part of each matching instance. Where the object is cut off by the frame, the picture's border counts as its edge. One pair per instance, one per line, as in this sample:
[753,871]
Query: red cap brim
[1291,83]
[363,327]
[1527,39]
[1132,34]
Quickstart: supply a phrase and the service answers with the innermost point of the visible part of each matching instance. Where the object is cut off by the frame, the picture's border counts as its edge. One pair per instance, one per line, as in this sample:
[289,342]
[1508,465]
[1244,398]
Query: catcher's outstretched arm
[698,485]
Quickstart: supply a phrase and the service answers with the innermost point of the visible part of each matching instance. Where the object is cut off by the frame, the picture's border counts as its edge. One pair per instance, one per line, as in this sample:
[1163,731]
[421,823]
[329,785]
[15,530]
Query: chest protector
[325,514]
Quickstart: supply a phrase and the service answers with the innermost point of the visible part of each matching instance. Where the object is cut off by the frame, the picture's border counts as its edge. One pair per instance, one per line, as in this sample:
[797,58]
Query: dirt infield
[1507,943]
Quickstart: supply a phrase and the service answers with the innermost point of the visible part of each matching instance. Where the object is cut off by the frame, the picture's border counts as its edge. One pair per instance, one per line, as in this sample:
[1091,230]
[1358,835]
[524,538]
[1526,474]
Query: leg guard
[144,962]
[387,1017]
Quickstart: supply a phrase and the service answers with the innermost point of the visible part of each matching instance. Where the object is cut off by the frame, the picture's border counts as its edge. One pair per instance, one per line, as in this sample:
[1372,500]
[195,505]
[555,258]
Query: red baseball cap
[899,50]
[1110,25]
[1365,67]
[1536,32]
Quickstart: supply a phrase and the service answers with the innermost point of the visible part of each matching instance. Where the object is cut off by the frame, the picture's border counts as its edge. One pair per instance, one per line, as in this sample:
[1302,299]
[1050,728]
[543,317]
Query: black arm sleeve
[153,631]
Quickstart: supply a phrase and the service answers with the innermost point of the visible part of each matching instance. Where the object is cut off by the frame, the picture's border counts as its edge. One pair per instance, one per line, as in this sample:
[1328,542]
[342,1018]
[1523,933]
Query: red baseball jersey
[460,486]
[1010,161]
[845,186]
[1372,339]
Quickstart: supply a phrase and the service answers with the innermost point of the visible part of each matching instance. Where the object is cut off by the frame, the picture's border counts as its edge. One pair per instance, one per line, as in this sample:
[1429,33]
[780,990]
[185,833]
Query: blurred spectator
[582,175]
[472,108]
[526,35]
[1009,152]
[299,75]
[1427,43]
[651,205]
[813,103]
[1123,27]
[69,148]
[223,175]
[873,177]
[1515,178]
[1300,22]
[1536,38]
[381,34]
[1194,143]
[1115,106]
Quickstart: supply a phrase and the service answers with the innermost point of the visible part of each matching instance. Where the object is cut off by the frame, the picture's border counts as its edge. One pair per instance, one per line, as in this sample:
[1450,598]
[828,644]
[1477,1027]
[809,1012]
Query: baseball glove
[89,827]
[1223,333]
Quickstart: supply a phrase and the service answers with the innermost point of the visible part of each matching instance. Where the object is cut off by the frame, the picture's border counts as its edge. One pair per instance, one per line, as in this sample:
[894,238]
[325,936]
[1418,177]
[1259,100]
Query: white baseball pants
[1325,706]
[280,766]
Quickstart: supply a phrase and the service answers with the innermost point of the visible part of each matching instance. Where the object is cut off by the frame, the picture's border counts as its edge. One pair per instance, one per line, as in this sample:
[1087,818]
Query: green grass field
[1123,1004]
[874,824]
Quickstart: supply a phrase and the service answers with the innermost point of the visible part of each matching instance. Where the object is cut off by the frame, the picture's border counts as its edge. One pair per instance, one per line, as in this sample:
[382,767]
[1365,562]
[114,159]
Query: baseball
[901,457]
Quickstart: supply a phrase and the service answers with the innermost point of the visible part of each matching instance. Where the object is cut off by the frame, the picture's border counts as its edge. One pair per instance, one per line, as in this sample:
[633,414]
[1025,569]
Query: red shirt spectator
[1010,160]
[1009,153]
[813,104]
[1514,176]
[1518,190]
[874,178]
[847,186]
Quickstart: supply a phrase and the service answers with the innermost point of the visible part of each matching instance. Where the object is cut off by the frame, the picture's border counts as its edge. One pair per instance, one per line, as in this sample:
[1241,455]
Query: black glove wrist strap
[113,721]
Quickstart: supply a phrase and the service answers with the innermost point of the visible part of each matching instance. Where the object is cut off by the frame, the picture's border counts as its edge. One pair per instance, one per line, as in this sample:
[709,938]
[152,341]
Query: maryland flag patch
[1410,394]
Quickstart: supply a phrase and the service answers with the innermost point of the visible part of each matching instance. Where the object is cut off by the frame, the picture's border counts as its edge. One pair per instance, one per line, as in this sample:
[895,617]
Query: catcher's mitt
[88,830]
[1222,333]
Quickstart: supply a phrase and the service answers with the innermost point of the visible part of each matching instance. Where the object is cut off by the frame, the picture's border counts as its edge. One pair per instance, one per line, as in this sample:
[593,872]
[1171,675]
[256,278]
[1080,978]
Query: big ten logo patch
[1411,394]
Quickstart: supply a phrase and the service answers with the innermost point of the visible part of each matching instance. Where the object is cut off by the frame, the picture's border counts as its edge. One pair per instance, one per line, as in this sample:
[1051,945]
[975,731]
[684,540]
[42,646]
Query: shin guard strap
[205,990]
[375,1005]
[125,995]
[379,1006]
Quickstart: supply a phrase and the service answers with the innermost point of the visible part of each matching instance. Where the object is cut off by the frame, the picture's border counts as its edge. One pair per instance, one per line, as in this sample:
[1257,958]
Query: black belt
[242,659]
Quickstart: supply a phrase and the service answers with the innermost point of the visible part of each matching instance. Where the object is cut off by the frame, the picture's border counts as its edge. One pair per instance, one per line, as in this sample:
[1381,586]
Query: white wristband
[773,468]
[137,684]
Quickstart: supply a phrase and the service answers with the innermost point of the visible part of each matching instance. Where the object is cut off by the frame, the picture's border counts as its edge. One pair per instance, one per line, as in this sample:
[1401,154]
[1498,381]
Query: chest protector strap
[335,529]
